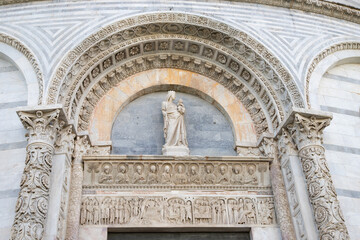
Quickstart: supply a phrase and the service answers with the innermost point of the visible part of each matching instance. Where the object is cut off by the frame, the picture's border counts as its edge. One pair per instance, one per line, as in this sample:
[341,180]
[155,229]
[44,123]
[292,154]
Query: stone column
[32,204]
[307,132]
[269,149]
[73,220]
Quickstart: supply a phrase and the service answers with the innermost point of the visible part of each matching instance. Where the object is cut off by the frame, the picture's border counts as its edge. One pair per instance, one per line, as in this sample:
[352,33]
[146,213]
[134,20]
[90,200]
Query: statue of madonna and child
[174,127]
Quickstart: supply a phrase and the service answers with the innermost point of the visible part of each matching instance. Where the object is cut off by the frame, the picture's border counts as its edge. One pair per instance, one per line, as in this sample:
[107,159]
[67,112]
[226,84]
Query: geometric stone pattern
[341,11]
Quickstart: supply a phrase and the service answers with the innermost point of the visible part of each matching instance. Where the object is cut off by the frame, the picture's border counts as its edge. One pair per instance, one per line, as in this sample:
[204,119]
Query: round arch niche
[146,82]
[138,128]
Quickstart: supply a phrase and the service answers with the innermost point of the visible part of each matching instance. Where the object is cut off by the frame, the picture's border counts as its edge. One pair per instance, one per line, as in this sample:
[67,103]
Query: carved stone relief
[178,210]
[85,105]
[32,204]
[127,174]
[307,132]
[172,27]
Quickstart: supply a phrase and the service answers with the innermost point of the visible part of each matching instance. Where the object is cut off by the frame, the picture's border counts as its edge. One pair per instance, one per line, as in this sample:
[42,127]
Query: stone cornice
[330,9]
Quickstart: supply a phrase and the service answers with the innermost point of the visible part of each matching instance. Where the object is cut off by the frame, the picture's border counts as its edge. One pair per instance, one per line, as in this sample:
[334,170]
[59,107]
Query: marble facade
[288,97]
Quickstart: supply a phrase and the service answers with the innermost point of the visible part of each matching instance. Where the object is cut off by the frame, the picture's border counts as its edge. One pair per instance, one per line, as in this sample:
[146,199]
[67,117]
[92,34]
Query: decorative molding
[177,210]
[160,174]
[30,56]
[269,149]
[321,56]
[72,225]
[8,2]
[285,149]
[307,132]
[221,33]
[85,99]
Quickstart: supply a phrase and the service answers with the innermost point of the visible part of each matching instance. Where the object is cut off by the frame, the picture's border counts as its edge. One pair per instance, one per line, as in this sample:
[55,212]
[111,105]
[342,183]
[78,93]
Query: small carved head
[209,169]
[167,168]
[251,169]
[180,168]
[222,169]
[122,168]
[139,169]
[153,168]
[193,170]
[171,96]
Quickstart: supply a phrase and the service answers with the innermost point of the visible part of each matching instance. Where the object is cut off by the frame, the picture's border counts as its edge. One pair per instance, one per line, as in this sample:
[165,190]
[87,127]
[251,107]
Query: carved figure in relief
[138,175]
[194,176]
[106,174]
[250,175]
[188,212]
[152,175]
[249,211]
[151,211]
[122,176]
[83,213]
[209,175]
[180,175]
[202,211]
[223,177]
[174,125]
[236,177]
[176,211]
[96,212]
[166,175]
[89,212]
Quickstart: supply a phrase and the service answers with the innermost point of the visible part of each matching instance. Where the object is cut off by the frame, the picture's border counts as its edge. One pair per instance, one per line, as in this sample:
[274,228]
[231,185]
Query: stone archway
[230,58]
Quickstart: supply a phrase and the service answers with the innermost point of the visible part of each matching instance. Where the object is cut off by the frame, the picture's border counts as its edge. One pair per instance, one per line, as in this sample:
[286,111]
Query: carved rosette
[81,147]
[308,133]
[32,204]
[269,149]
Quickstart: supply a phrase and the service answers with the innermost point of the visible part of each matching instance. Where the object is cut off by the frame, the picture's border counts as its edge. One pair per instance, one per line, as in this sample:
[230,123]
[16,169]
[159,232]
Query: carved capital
[308,130]
[285,145]
[81,147]
[267,147]
[42,125]
[65,140]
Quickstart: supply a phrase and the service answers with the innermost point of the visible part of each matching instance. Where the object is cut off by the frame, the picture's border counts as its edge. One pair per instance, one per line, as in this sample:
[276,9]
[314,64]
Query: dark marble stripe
[338,148]
[340,111]
[348,193]
[11,193]
[342,78]
[12,104]
[14,145]
[8,69]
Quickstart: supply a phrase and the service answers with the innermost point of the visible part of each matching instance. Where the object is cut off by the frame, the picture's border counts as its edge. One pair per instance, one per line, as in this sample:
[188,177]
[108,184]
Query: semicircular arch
[346,52]
[156,80]
[25,61]
[270,83]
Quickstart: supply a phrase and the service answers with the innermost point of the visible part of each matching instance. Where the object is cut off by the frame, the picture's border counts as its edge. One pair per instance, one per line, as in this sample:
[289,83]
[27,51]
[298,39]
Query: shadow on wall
[138,129]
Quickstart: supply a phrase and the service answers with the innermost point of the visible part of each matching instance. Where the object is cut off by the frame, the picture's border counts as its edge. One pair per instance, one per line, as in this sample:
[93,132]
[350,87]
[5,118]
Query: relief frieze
[129,174]
[177,210]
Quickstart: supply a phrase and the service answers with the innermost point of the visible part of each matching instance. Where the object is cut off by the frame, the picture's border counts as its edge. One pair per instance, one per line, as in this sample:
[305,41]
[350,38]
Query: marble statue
[174,127]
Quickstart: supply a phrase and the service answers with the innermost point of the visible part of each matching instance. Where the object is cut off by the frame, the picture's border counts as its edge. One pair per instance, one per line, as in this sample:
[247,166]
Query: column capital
[42,122]
[305,126]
